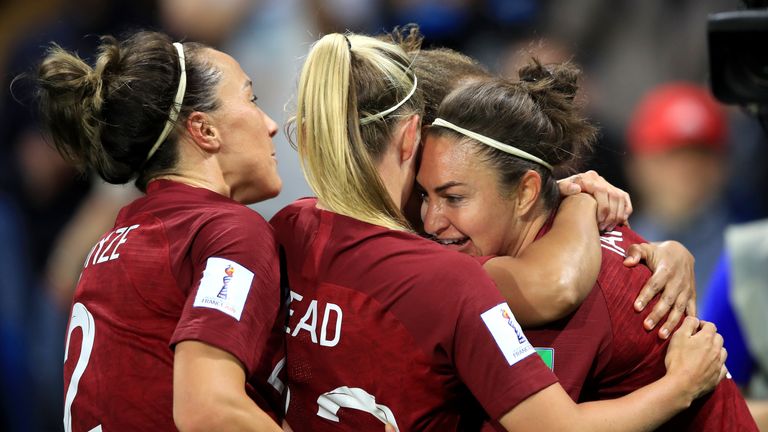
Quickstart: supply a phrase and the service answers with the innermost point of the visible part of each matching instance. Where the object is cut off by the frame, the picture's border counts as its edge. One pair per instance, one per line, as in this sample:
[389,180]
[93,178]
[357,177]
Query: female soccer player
[177,306]
[488,174]
[386,326]
[549,263]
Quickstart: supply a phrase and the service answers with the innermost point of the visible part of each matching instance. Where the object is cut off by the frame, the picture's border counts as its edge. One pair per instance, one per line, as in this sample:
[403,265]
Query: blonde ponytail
[337,159]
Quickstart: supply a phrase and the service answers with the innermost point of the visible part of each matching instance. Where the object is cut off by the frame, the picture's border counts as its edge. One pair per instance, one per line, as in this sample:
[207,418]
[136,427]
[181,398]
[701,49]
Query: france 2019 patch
[225,286]
[507,333]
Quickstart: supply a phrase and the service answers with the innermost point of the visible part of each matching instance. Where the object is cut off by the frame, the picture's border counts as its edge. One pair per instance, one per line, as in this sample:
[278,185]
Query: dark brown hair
[538,114]
[107,117]
[441,70]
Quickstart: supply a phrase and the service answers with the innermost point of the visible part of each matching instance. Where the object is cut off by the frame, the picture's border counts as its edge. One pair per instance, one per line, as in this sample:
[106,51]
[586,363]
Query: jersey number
[354,398]
[83,319]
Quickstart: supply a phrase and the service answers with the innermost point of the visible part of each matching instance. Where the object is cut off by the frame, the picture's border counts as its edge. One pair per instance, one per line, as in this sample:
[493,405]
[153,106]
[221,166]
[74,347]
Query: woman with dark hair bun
[176,311]
[488,173]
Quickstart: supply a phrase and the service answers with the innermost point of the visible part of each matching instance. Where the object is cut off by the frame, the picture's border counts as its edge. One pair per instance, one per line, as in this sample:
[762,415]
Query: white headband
[176,107]
[506,148]
[367,119]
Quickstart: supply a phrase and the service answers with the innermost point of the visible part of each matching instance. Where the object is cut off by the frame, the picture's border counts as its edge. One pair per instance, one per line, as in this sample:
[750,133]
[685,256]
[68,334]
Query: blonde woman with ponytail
[386,327]
[176,308]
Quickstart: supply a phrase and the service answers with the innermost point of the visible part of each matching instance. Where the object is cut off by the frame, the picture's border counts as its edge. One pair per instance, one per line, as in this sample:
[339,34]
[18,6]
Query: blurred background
[692,166]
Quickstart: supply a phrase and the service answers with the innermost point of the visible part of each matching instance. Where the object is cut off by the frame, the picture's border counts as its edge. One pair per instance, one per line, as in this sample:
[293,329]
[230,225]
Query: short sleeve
[492,354]
[235,301]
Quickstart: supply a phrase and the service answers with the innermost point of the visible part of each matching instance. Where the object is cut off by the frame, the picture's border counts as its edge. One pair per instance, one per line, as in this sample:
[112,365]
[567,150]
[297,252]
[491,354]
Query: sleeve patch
[225,286]
[507,333]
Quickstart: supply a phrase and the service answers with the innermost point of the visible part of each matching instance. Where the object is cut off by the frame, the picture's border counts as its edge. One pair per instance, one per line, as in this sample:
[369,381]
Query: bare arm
[694,366]
[209,392]
[554,274]
[759,410]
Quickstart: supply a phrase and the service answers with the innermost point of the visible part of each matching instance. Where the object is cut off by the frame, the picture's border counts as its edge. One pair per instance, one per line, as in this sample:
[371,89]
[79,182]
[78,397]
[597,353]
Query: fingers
[569,186]
[661,309]
[680,304]
[635,253]
[652,287]
[674,317]
[613,218]
[707,327]
[688,328]
[690,308]
[628,209]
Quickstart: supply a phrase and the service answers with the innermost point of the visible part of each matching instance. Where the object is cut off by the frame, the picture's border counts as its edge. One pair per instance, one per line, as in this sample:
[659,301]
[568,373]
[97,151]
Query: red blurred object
[677,115]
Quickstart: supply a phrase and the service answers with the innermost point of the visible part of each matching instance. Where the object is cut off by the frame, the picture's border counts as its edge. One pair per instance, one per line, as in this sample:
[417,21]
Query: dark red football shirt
[181,263]
[602,350]
[388,327]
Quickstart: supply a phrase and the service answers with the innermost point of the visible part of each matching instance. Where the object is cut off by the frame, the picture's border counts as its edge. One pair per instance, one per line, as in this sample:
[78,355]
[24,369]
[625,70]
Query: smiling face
[462,206]
[247,155]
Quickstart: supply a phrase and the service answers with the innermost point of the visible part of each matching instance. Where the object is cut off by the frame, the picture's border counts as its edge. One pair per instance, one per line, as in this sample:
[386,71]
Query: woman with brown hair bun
[176,310]
[488,174]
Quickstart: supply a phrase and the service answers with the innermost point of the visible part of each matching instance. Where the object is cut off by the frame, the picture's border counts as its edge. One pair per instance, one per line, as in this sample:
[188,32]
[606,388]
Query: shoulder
[444,272]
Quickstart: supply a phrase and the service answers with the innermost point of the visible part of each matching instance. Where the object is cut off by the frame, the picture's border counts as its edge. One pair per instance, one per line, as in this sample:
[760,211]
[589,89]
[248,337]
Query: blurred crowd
[692,166]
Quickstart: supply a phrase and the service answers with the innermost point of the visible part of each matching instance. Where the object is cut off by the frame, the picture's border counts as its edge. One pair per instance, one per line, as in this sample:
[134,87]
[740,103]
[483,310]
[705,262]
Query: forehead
[446,158]
[233,74]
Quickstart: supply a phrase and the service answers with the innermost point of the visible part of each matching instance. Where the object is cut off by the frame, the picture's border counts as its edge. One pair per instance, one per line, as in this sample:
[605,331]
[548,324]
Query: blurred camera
[738,56]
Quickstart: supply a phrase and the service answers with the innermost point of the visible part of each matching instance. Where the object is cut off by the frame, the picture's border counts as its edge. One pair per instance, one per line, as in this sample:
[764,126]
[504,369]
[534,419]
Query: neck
[528,228]
[392,178]
[198,182]
[198,169]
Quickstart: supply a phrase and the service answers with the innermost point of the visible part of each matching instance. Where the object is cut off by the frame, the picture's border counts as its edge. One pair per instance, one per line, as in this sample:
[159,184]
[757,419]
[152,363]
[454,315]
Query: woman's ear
[411,138]
[202,132]
[528,191]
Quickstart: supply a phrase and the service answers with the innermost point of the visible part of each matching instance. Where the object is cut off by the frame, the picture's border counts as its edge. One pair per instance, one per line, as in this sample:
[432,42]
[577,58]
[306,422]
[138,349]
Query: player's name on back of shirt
[100,254]
[330,327]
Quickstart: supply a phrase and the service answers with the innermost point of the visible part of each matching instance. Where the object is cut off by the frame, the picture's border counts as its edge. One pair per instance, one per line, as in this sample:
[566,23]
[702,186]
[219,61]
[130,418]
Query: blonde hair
[344,79]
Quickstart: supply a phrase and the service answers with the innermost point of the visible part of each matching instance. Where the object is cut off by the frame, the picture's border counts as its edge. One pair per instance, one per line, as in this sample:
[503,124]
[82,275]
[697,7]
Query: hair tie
[177,100]
[367,119]
[506,148]
[349,44]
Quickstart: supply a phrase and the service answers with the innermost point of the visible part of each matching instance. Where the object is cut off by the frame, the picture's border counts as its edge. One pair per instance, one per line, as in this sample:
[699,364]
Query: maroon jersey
[388,327]
[181,263]
[602,350]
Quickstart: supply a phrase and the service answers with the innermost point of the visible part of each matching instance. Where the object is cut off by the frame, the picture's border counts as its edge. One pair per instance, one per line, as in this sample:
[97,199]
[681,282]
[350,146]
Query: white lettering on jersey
[324,341]
[507,333]
[610,240]
[328,405]
[101,254]
[224,287]
[276,382]
[294,297]
[309,321]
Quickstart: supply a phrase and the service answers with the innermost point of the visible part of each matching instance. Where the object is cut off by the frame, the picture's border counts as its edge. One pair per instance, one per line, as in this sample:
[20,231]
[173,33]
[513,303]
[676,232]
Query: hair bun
[561,78]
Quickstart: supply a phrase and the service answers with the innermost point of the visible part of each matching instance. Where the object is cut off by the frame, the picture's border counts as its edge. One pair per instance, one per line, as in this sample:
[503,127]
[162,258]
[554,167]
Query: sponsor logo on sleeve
[507,333]
[224,286]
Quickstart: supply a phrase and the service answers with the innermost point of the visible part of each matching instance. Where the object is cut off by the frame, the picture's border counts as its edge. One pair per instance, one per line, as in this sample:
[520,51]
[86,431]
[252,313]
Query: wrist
[682,394]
